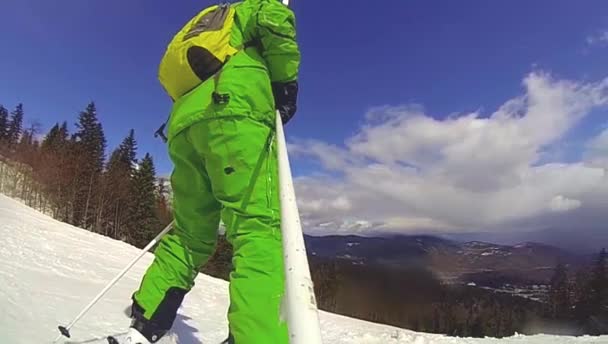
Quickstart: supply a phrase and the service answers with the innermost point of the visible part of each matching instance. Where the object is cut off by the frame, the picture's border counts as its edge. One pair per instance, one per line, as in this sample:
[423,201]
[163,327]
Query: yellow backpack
[198,51]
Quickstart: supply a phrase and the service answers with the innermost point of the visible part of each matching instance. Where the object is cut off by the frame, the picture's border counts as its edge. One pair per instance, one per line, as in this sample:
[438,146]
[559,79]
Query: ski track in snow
[50,270]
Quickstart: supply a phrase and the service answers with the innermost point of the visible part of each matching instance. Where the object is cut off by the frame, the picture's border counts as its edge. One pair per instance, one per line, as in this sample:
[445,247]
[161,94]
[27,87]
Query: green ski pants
[223,168]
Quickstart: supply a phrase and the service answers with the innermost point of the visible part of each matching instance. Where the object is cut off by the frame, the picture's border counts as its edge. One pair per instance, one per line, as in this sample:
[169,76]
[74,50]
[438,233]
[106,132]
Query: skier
[221,142]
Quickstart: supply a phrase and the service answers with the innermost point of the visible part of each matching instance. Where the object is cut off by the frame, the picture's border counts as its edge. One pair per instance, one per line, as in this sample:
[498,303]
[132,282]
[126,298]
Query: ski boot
[142,330]
[134,337]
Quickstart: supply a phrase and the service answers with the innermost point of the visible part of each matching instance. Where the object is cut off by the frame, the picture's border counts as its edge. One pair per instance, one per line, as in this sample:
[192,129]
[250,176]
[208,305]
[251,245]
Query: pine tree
[50,138]
[26,150]
[28,154]
[63,132]
[143,216]
[3,125]
[117,197]
[48,167]
[599,285]
[65,171]
[163,207]
[55,141]
[15,126]
[89,145]
[129,146]
[580,294]
[559,294]
[27,139]
[591,308]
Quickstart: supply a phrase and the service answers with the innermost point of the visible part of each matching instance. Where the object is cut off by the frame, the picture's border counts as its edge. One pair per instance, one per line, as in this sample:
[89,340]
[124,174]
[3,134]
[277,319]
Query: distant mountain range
[450,260]
[583,240]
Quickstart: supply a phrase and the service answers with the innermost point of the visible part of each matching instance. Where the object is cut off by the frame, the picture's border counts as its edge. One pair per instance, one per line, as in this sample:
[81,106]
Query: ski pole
[65,331]
[299,305]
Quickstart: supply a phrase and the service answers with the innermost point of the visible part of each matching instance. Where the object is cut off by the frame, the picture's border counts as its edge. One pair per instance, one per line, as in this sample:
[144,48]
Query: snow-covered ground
[50,270]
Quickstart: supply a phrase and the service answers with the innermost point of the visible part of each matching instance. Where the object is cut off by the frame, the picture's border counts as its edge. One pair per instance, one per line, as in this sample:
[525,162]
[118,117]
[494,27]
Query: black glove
[286,98]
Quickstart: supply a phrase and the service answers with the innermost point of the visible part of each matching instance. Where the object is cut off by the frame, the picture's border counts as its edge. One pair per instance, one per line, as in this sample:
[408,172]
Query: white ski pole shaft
[299,304]
[65,331]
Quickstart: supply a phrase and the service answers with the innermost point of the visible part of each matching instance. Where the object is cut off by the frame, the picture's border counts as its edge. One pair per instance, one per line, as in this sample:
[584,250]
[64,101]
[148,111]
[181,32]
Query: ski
[112,340]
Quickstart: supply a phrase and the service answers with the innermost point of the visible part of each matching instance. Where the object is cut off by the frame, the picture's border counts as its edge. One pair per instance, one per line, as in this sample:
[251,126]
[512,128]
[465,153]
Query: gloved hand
[286,98]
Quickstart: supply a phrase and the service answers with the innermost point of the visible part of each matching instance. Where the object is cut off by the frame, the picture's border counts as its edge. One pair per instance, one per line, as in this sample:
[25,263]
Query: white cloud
[597,150]
[599,38]
[562,204]
[405,170]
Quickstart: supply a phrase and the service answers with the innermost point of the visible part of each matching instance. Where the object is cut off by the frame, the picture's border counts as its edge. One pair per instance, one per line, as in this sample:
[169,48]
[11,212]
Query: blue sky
[446,57]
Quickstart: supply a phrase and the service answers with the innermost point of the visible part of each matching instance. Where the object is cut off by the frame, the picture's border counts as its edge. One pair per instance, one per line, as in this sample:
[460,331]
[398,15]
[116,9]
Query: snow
[49,271]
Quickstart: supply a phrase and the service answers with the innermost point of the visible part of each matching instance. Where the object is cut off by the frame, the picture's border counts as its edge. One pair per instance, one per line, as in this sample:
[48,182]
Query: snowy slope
[50,270]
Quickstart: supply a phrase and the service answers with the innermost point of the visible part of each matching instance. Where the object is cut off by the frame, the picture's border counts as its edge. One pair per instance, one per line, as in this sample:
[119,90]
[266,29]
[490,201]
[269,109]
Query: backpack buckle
[220,98]
[160,133]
